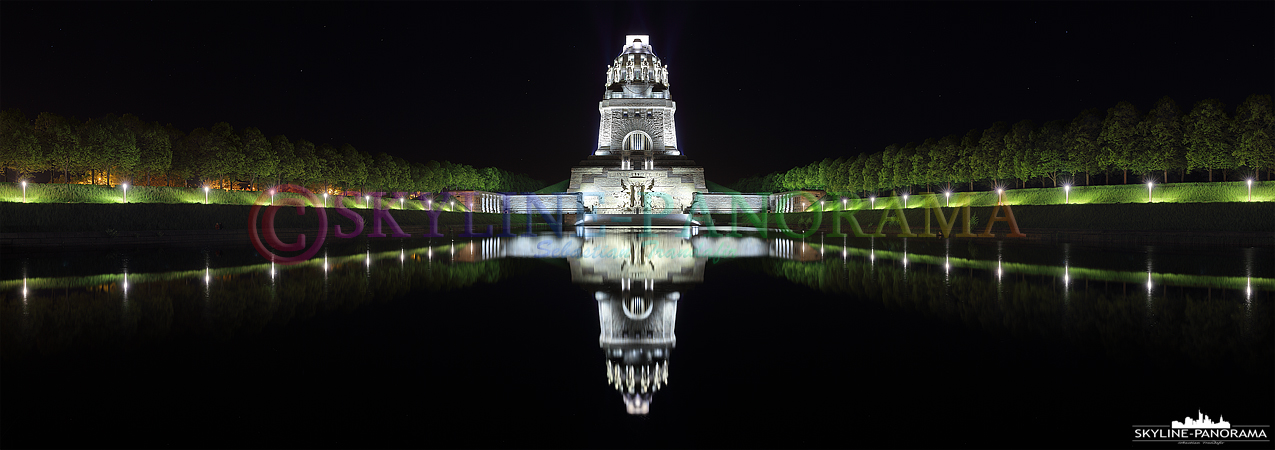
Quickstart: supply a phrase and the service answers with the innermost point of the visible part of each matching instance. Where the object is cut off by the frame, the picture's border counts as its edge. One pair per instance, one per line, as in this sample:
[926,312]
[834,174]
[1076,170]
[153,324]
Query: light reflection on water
[637,319]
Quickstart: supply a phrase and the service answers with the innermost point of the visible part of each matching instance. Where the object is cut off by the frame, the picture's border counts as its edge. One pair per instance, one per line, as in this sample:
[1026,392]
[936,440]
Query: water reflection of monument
[637,294]
[637,280]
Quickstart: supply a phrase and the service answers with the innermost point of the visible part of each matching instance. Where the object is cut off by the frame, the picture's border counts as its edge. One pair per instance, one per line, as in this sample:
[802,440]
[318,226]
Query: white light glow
[1066,193]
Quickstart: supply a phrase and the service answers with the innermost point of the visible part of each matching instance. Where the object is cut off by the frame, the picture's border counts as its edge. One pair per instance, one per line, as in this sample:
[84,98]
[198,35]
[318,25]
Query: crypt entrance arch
[638,143]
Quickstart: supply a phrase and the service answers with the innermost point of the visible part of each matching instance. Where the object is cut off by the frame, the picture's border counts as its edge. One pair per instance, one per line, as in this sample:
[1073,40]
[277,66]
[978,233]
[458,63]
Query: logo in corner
[1201,429]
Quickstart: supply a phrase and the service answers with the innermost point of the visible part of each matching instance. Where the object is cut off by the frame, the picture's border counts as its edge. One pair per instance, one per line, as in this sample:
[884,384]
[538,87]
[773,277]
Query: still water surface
[623,340]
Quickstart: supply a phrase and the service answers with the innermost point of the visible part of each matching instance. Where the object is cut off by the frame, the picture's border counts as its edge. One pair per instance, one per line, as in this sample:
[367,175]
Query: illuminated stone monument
[637,167]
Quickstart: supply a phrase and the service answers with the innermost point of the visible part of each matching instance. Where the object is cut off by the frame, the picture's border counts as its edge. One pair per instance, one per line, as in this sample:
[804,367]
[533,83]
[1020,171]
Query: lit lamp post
[24,191]
[873,201]
[1250,190]
[1000,195]
[948,195]
[1149,186]
[325,199]
[400,203]
[125,186]
[843,203]
[205,195]
[905,200]
[272,197]
[367,201]
[429,204]
[1066,194]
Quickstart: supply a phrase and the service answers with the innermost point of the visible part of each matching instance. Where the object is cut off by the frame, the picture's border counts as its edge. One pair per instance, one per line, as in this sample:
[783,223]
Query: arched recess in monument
[638,141]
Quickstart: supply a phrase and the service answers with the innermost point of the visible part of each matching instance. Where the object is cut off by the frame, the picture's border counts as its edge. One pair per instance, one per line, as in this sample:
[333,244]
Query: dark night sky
[759,86]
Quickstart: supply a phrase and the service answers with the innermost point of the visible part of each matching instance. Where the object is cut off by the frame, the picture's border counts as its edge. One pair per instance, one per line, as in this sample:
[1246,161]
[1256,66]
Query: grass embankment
[1216,192]
[1192,217]
[38,217]
[87,193]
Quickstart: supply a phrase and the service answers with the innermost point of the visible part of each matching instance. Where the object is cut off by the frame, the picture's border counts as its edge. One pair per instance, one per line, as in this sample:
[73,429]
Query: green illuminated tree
[1254,128]
[154,149]
[1119,140]
[991,147]
[1162,139]
[1082,142]
[889,164]
[943,160]
[19,148]
[259,158]
[59,141]
[968,164]
[1207,137]
[1018,158]
[872,172]
[290,168]
[1049,143]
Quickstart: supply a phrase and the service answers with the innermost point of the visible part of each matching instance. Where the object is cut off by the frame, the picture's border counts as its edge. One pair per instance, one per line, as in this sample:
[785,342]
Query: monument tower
[637,167]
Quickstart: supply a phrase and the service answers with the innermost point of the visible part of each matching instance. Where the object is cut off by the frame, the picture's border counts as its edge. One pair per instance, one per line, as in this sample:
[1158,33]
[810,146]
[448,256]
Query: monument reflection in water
[637,280]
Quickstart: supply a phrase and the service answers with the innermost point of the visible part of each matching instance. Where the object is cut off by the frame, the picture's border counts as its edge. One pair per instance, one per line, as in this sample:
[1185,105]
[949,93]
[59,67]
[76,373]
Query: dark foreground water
[636,341]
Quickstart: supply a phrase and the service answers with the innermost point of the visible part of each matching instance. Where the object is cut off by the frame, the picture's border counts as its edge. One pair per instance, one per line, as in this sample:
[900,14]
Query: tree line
[1153,145]
[113,149]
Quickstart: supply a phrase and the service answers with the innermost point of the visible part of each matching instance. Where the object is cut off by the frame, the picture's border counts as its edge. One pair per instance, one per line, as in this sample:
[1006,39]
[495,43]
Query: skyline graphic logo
[1202,421]
[1200,430]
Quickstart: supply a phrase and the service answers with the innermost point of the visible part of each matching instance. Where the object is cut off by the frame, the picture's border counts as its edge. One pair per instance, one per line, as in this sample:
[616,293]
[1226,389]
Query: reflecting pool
[634,340]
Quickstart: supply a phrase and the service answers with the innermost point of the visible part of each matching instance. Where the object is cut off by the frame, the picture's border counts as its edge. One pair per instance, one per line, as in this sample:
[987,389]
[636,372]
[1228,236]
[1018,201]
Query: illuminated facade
[637,166]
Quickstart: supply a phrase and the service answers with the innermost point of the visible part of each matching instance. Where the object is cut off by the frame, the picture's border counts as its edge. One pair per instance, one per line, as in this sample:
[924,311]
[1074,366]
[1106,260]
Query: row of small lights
[367,199]
[1001,191]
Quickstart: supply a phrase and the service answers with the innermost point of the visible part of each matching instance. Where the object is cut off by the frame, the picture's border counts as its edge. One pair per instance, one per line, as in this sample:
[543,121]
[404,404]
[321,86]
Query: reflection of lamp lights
[1066,194]
[947,266]
[999,271]
[1066,275]
[1148,282]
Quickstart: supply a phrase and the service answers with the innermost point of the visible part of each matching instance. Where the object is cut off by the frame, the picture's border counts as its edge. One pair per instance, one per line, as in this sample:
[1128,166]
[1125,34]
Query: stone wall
[725,203]
[608,190]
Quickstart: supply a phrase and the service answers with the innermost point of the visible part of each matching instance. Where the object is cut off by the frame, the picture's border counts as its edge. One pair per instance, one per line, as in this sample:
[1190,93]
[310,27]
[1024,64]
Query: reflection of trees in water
[64,315]
[1119,319]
